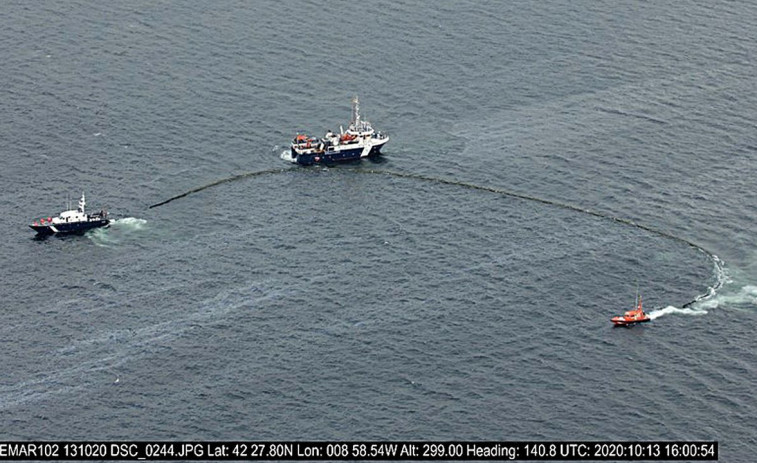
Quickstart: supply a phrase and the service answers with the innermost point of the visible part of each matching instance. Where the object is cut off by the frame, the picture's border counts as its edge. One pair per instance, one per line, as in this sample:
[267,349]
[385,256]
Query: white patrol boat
[71,221]
[359,141]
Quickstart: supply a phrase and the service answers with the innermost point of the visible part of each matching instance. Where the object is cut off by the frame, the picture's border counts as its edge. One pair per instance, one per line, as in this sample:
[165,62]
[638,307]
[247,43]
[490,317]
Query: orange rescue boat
[632,316]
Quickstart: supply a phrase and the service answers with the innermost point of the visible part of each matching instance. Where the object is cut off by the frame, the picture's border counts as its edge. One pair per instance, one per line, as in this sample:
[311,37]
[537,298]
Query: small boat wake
[745,298]
[286,155]
[657,313]
[701,303]
[721,278]
[118,230]
[129,223]
[723,294]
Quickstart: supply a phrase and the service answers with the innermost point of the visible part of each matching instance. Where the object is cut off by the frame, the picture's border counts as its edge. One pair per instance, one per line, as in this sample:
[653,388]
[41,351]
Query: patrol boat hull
[62,228]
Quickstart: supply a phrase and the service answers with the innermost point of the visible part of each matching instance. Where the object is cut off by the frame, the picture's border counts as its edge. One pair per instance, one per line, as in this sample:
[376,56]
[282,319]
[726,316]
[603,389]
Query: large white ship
[358,141]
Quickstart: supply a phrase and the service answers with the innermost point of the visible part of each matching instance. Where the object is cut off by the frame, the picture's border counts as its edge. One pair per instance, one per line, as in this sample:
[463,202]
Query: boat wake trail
[721,278]
[98,359]
[719,271]
[118,230]
[129,223]
[657,313]
[630,114]
[712,298]
[744,298]
[286,155]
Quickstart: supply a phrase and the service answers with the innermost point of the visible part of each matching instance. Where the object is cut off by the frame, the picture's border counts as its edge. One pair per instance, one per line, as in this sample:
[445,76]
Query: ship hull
[343,155]
[62,228]
[617,323]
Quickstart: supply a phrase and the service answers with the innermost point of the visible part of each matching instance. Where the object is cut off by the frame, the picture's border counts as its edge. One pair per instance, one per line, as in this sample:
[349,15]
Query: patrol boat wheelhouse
[359,141]
[71,221]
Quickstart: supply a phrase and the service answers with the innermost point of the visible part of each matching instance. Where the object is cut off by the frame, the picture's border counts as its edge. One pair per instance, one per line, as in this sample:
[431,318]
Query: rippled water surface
[343,303]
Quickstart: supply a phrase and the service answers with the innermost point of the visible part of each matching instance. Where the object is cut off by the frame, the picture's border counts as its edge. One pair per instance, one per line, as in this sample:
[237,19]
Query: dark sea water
[336,303]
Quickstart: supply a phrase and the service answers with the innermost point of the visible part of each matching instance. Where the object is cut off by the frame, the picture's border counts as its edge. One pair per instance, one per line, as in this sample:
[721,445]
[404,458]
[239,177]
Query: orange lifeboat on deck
[632,317]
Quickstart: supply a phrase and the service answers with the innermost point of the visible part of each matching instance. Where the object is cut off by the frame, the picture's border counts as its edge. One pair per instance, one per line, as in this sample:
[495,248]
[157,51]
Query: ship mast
[82,203]
[355,113]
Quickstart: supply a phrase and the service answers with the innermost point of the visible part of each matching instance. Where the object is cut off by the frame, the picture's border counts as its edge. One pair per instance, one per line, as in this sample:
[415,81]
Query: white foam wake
[129,223]
[721,278]
[118,230]
[657,313]
[723,294]
[744,298]
[286,155]
[702,302]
